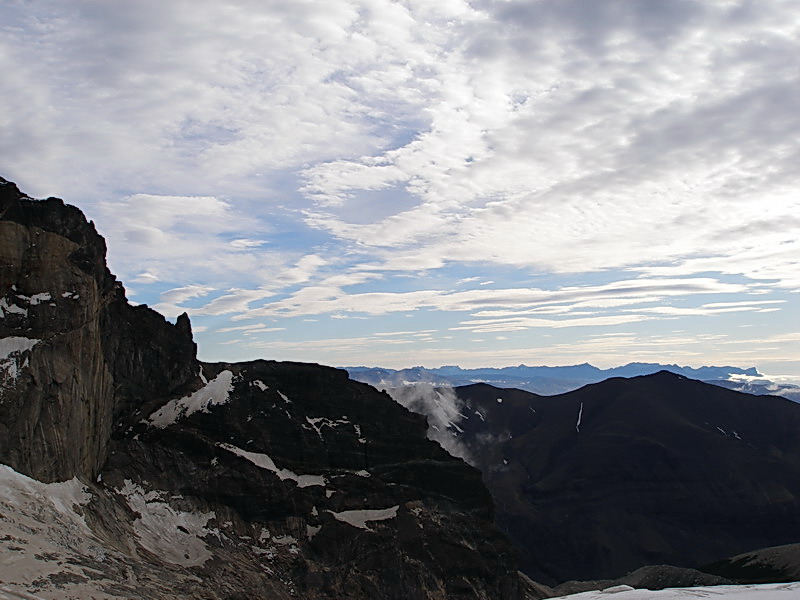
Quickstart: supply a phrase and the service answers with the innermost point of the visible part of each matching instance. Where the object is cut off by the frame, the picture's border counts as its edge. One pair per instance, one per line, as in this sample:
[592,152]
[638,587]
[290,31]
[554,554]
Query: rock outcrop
[134,471]
[89,357]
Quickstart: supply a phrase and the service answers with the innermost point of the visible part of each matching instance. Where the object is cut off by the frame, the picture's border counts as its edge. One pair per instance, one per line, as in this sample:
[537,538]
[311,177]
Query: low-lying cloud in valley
[443,409]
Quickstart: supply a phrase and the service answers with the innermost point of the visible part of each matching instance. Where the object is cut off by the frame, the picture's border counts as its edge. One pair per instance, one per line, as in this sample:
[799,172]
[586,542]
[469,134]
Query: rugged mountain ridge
[135,471]
[657,469]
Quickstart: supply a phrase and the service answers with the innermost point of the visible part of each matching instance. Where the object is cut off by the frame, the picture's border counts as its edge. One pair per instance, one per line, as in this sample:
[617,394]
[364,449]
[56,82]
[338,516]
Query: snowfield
[360,518]
[768,591]
[215,392]
[265,462]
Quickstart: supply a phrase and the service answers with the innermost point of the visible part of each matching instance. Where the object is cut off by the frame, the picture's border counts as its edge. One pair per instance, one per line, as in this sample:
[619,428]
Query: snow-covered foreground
[45,543]
[48,552]
[768,591]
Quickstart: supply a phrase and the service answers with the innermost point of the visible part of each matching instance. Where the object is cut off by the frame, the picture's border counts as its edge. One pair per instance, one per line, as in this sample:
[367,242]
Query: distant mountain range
[549,381]
[597,472]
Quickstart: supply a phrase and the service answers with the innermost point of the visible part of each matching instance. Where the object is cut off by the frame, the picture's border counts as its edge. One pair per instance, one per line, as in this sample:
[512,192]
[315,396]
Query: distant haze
[427,390]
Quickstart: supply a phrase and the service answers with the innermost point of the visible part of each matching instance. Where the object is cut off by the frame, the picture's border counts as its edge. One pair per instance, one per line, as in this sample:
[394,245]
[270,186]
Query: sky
[429,182]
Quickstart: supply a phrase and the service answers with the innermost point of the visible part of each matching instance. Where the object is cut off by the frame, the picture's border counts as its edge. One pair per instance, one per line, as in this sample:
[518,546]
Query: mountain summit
[656,469]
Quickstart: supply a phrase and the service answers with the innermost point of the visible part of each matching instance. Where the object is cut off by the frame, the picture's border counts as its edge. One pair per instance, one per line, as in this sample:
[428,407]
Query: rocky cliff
[134,471]
[77,359]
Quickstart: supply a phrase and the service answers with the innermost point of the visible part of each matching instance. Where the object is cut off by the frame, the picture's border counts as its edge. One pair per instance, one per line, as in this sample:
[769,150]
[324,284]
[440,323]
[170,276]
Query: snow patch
[260,385]
[16,345]
[312,530]
[361,438]
[767,591]
[580,416]
[319,422]
[171,534]
[64,496]
[39,298]
[11,351]
[615,589]
[42,519]
[10,309]
[360,518]
[284,540]
[265,462]
[215,392]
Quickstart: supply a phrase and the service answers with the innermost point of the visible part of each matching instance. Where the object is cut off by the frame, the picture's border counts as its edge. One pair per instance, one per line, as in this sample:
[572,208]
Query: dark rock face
[90,357]
[658,469]
[299,453]
[778,564]
[218,481]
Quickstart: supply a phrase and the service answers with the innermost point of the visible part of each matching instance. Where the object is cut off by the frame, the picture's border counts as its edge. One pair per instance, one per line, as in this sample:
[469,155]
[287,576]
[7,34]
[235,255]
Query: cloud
[185,239]
[443,409]
[236,300]
[250,329]
[714,308]
[568,136]
[522,323]
[200,95]
[509,302]
[145,277]
[625,161]
[626,136]
[171,300]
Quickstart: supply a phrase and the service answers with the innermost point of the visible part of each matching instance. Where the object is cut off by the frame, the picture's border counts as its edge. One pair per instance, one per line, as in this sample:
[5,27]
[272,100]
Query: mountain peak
[654,469]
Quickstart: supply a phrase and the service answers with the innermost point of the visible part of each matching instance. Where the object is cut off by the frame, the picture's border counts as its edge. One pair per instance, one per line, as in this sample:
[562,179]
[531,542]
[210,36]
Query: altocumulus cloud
[274,160]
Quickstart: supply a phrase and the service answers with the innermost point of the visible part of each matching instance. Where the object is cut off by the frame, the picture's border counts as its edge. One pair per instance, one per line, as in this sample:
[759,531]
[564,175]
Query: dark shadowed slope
[765,565]
[658,469]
